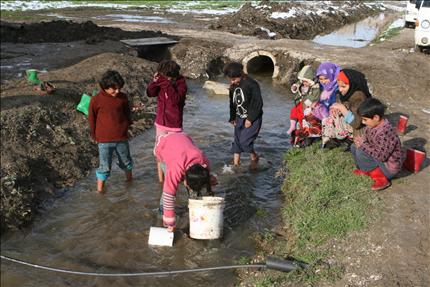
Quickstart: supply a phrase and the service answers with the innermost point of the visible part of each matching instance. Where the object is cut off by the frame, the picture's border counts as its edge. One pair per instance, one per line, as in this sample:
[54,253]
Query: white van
[422,25]
[411,13]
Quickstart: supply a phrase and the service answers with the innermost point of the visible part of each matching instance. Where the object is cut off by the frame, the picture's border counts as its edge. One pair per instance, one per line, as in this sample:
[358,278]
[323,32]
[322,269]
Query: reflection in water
[88,232]
[355,35]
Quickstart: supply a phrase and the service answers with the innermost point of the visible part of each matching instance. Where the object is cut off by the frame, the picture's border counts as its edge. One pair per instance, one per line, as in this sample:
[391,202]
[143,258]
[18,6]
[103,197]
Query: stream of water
[108,233]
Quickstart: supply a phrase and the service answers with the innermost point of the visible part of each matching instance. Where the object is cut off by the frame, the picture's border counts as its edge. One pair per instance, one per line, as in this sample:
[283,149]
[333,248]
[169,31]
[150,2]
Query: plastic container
[206,217]
[414,160]
[159,236]
[84,104]
[402,124]
[32,76]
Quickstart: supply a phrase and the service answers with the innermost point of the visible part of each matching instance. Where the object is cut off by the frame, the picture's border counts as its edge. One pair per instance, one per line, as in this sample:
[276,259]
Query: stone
[216,88]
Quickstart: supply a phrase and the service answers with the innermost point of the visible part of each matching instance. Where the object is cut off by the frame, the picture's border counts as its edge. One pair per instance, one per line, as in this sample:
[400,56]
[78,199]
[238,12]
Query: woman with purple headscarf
[327,73]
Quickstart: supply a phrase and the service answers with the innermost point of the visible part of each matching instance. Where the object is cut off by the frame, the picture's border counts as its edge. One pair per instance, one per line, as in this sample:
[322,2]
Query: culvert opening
[261,65]
[154,53]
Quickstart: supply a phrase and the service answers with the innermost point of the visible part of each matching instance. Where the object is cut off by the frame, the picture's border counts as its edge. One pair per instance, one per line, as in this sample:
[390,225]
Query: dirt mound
[66,31]
[298,20]
[45,141]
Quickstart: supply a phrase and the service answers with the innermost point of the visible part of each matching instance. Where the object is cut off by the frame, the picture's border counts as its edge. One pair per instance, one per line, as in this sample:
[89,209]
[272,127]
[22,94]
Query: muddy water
[85,231]
[355,35]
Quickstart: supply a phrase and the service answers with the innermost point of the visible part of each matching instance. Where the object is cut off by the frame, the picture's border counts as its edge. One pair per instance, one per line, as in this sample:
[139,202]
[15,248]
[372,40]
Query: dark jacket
[109,117]
[352,104]
[245,100]
[170,100]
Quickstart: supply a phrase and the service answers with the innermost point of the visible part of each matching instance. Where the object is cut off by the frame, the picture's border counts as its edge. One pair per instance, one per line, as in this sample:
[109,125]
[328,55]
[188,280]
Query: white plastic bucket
[206,217]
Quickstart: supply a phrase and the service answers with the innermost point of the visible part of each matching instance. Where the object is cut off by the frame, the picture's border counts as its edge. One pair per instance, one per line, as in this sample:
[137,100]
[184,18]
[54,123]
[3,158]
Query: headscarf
[330,71]
[357,82]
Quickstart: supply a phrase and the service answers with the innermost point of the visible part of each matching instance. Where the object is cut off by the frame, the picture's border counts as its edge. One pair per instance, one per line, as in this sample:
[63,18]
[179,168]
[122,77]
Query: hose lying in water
[271,263]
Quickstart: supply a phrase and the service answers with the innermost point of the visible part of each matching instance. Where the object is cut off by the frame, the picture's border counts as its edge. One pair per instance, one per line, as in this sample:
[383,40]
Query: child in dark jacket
[246,111]
[380,155]
[170,89]
[109,118]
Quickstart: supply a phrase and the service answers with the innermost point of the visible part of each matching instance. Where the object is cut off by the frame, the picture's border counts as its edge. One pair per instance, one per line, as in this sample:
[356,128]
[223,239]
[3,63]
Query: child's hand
[248,124]
[341,108]
[233,123]
[171,229]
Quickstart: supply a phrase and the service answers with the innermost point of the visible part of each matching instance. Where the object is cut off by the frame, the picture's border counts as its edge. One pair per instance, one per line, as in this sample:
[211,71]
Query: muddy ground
[250,20]
[46,145]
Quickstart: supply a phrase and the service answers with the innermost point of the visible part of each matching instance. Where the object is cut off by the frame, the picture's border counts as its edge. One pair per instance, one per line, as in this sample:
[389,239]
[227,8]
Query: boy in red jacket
[109,118]
[170,89]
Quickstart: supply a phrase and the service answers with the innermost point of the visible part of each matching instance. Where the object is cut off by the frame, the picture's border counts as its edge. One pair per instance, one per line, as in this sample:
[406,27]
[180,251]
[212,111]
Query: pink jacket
[178,152]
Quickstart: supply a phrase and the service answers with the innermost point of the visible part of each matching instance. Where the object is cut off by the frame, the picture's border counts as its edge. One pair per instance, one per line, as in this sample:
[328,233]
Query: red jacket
[170,100]
[109,117]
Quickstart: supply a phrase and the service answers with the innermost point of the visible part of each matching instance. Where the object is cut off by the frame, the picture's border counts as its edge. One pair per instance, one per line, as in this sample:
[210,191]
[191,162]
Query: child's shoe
[381,181]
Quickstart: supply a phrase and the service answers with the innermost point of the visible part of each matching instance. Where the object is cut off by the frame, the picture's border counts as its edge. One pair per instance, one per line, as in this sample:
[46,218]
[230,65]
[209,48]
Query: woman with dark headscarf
[344,122]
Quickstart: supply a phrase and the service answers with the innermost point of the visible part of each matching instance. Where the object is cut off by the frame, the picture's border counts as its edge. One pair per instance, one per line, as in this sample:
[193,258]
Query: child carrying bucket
[380,155]
[181,160]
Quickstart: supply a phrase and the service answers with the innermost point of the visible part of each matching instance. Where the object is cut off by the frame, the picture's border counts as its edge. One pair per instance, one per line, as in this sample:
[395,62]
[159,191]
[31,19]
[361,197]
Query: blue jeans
[367,163]
[106,151]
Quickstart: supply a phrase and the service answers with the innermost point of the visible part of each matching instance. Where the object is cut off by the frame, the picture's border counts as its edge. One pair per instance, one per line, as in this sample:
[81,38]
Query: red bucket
[401,125]
[414,159]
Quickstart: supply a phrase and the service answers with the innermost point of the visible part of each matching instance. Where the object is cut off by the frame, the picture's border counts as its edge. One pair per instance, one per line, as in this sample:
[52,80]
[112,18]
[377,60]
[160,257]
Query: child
[344,122]
[305,91]
[246,111]
[327,75]
[109,118]
[380,155]
[170,89]
[182,160]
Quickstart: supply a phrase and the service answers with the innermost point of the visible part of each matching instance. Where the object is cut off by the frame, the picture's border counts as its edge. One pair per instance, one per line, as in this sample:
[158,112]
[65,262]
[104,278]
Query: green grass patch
[390,33]
[324,201]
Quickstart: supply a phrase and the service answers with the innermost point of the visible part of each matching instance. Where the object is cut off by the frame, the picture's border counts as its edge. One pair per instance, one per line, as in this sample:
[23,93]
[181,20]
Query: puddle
[355,35]
[135,18]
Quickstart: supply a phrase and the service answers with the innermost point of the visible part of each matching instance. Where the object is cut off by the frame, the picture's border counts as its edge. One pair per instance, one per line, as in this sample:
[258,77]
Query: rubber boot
[360,172]
[292,126]
[381,181]
[32,77]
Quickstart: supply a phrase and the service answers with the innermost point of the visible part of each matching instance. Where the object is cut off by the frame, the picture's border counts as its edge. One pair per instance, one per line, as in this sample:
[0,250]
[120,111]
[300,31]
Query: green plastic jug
[32,77]
[84,104]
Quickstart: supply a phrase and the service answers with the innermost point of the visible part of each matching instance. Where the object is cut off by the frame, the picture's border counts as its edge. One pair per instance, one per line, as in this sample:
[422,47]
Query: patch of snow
[40,5]
[269,33]
[394,7]
[284,15]
[399,23]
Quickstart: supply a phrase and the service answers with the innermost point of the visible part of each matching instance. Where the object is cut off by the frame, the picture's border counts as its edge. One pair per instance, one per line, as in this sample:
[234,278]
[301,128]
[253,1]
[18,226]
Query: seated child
[380,155]
[306,93]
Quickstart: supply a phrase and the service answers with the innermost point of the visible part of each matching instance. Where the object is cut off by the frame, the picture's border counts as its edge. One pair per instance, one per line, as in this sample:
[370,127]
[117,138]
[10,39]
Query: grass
[390,33]
[323,201]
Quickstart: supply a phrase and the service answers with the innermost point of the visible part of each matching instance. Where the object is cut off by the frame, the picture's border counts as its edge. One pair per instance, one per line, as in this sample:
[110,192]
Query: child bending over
[380,155]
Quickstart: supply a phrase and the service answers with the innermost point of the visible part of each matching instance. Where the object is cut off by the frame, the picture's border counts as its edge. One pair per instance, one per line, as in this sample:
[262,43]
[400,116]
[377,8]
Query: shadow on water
[88,232]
